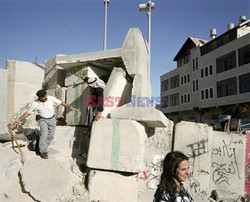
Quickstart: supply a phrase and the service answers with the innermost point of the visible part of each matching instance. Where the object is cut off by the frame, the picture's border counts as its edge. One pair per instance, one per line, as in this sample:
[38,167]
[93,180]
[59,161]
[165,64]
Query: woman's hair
[170,165]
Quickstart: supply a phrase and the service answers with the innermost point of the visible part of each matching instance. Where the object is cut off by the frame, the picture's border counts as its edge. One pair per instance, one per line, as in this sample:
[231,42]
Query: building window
[206,71]
[181,99]
[188,97]
[183,61]
[182,80]
[197,85]
[226,87]
[174,99]
[185,98]
[196,63]
[244,55]
[202,94]
[174,82]
[210,69]
[206,93]
[193,85]
[202,73]
[193,65]
[185,79]
[165,85]
[188,77]
[164,102]
[226,62]
[244,83]
[211,92]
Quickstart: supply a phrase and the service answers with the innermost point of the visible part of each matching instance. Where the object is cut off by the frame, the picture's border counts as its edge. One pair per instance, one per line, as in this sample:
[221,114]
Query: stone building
[210,76]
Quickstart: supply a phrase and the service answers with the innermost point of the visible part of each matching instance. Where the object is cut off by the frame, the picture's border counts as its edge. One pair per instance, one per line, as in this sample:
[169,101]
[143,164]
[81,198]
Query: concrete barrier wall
[53,74]
[24,80]
[3,99]
[217,159]
[77,97]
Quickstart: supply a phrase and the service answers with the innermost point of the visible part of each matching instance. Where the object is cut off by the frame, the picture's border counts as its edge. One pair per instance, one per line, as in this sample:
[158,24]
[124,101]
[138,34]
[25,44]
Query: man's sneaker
[44,155]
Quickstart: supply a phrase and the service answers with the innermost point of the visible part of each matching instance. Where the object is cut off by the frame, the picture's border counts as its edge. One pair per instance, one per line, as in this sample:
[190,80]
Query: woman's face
[182,171]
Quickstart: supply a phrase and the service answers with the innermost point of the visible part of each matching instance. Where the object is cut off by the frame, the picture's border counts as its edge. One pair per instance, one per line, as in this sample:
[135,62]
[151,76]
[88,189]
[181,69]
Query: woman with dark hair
[175,171]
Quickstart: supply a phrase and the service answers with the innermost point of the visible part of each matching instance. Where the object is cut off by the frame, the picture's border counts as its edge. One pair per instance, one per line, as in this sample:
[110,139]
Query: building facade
[210,76]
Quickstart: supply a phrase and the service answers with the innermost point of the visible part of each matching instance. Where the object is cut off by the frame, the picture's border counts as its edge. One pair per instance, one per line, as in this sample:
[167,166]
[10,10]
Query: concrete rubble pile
[118,158]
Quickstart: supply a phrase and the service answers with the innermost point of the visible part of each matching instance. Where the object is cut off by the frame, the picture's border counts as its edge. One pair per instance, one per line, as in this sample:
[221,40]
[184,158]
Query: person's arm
[67,105]
[24,116]
[228,125]
[238,126]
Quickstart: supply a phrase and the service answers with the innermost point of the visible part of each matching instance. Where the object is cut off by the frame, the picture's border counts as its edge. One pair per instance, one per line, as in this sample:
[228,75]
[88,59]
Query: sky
[36,30]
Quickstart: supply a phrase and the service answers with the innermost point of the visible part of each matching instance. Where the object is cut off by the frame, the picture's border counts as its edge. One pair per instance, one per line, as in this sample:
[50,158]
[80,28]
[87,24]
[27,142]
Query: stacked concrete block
[120,143]
[158,144]
[135,54]
[110,186]
[148,115]
[53,74]
[227,168]
[3,99]
[195,141]
[142,90]
[77,97]
[22,84]
[116,95]
[73,74]
[59,93]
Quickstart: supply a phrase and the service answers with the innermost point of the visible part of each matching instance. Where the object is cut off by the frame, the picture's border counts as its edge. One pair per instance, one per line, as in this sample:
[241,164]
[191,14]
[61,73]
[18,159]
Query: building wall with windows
[216,76]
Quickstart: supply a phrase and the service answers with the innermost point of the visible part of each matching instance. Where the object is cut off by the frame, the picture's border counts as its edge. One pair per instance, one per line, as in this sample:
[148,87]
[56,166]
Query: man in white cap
[44,106]
[96,107]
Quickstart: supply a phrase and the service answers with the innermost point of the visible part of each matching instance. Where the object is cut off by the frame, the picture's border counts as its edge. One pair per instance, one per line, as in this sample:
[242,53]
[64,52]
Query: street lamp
[106,3]
[148,7]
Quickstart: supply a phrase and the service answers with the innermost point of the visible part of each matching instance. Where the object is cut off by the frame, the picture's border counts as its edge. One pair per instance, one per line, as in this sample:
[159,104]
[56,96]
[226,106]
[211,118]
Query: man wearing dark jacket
[95,100]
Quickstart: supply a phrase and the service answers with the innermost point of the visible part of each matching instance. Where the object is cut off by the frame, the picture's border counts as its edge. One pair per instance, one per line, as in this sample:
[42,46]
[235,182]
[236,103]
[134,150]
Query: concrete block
[77,97]
[3,99]
[135,54]
[24,80]
[195,141]
[70,141]
[47,180]
[141,88]
[148,115]
[73,74]
[54,74]
[158,144]
[59,93]
[228,162]
[116,91]
[107,59]
[10,164]
[110,186]
[113,137]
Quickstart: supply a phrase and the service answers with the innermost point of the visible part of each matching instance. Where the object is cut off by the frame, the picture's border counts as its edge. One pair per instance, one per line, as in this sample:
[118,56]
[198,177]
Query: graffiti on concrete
[159,141]
[197,148]
[223,171]
[152,175]
[195,186]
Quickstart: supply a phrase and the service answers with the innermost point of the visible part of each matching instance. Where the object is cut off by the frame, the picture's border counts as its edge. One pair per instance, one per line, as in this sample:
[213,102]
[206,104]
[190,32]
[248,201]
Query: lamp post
[106,3]
[148,7]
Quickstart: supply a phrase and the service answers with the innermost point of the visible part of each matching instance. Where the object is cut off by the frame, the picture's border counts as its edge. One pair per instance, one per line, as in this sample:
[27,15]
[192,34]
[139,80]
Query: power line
[71,32]
[197,13]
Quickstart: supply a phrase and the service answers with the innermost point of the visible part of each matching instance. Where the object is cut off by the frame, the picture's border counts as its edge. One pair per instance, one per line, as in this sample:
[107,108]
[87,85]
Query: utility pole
[106,3]
[148,7]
